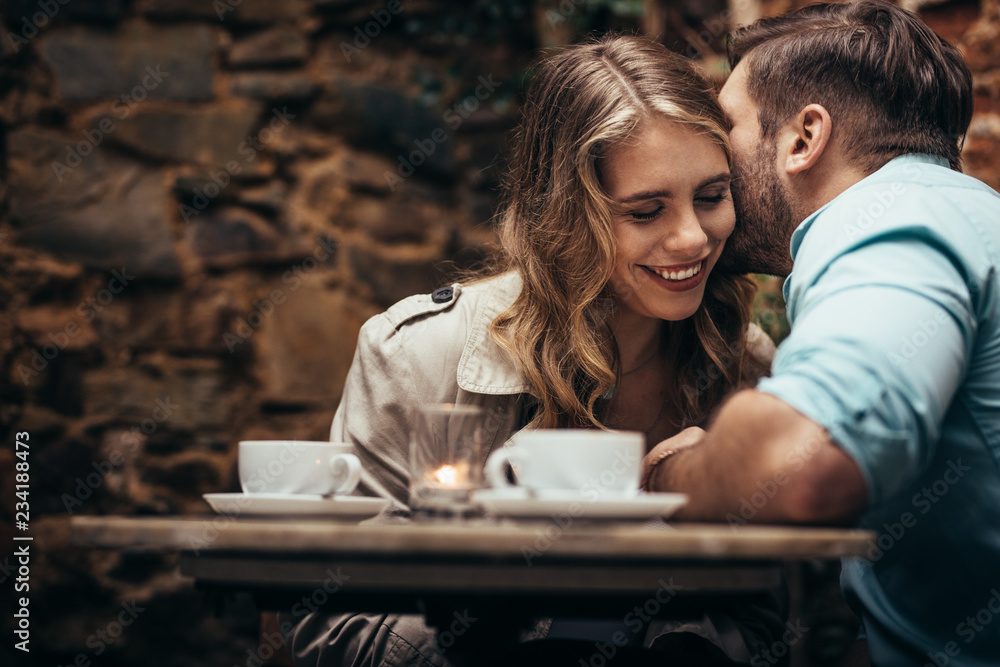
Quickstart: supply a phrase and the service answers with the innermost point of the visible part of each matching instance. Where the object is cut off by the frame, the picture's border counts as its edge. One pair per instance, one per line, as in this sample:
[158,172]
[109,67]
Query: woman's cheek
[724,223]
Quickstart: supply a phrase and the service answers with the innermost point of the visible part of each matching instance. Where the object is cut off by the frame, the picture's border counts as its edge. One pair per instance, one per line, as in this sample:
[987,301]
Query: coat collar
[485,368]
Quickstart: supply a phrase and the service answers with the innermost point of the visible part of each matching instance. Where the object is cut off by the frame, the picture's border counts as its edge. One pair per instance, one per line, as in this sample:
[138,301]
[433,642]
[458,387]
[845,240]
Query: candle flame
[446,474]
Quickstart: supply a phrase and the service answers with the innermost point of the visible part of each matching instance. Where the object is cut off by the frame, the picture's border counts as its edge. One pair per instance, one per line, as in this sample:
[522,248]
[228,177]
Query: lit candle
[446,485]
[447,475]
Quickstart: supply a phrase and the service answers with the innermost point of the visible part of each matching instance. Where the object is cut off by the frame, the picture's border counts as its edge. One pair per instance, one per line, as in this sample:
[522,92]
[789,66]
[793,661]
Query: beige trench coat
[405,358]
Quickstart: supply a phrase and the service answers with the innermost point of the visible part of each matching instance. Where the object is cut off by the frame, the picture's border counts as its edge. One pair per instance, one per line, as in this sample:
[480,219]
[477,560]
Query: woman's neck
[638,338]
[640,402]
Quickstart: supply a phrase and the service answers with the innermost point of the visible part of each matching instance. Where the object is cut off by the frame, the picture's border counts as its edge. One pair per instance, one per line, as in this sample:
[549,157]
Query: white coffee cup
[298,467]
[592,464]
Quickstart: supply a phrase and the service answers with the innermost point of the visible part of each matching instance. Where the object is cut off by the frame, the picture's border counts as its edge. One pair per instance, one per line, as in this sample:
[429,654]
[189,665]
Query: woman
[603,313]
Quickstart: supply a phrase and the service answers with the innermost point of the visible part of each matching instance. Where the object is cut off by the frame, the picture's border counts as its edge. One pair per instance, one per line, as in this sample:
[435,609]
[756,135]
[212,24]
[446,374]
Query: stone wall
[201,201]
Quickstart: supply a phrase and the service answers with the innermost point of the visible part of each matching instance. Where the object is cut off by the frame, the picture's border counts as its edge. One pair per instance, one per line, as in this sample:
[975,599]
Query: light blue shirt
[895,349]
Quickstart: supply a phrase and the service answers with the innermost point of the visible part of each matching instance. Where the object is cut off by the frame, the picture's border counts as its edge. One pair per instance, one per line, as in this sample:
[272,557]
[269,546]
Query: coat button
[442,294]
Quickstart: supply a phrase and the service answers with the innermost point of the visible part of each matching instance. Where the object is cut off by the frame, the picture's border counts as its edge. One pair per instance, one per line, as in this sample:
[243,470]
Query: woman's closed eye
[712,199]
[645,215]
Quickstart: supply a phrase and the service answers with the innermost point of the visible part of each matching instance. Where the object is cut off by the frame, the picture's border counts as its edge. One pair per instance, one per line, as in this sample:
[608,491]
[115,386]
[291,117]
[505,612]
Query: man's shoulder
[910,179]
[910,197]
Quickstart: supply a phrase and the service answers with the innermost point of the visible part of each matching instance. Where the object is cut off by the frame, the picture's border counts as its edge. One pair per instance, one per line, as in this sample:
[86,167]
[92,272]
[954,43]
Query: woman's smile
[678,279]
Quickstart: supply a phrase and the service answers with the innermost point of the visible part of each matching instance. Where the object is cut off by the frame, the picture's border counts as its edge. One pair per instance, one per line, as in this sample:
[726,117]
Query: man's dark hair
[891,85]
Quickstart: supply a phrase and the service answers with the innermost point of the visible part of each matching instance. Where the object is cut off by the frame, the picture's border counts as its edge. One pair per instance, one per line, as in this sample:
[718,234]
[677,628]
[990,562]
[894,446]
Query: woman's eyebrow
[646,194]
[723,177]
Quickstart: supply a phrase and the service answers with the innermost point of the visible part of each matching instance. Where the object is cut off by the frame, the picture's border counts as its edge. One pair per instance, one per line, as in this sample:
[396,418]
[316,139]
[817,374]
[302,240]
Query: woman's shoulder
[426,337]
[443,317]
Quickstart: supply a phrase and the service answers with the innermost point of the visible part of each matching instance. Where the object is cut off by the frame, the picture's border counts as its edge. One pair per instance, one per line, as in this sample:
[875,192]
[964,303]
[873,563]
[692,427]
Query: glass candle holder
[445,456]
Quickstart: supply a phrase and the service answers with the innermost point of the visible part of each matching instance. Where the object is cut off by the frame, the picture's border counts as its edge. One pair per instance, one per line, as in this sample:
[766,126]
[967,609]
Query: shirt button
[442,295]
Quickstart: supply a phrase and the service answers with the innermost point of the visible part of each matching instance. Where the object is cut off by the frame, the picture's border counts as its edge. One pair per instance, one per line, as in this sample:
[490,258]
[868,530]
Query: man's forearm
[763,461]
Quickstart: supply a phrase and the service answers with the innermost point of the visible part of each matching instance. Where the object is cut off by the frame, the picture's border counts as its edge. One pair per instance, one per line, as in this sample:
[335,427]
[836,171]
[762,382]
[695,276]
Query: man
[883,409]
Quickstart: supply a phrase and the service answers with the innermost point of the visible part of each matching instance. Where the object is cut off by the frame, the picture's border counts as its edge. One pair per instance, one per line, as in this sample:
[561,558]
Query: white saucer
[280,504]
[516,503]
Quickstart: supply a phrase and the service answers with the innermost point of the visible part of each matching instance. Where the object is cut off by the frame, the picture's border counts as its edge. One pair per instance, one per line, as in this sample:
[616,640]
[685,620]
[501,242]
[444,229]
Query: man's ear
[804,138]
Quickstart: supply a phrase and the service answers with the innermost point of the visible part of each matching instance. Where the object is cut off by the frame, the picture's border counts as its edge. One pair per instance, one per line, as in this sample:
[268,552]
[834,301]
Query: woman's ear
[804,139]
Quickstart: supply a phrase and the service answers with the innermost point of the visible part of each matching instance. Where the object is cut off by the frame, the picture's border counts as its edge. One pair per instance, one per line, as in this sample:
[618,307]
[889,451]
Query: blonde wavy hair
[556,232]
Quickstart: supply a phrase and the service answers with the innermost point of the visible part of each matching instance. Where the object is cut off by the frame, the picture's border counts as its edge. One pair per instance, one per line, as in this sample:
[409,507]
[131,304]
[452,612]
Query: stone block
[165,444]
[249,11]
[26,374]
[318,196]
[394,220]
[140,62]
[269,197]
[108,10]
[85,63]
[283,45]
[213,136]
[366,173]
[184,9]
[124,447]
[392,276]
[43,425]
[485,163]
[11,42]
[950,20]
[482,207]
[71,480]
[200,191]
[304,348]
[273,85]
[65,327]
[986,87]
[187,477]
[16,12]
[469,249]
[185,322]
[981,45]
[184,55]
[38,272]
[234,236]
[161,395]
[980,150]
[335,6]
[417,137]
[985,126]
[103,210]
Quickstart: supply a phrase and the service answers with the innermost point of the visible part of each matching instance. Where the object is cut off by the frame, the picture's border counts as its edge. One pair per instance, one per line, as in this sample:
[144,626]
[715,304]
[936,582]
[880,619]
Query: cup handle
[496,469]
[346,470]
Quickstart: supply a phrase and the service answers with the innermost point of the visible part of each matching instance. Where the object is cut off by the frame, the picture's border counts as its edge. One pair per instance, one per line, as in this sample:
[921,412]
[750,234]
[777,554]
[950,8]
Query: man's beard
[764,218]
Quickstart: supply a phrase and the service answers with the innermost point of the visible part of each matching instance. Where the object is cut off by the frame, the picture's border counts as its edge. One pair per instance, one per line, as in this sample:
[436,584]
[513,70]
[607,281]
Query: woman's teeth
[680,275]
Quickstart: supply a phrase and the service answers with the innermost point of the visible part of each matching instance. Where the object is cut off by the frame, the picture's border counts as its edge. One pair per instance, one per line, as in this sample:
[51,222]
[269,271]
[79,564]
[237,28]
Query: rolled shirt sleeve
[883,325]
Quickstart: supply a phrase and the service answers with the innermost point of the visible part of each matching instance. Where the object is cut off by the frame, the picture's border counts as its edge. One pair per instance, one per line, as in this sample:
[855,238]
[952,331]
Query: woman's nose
[685,236]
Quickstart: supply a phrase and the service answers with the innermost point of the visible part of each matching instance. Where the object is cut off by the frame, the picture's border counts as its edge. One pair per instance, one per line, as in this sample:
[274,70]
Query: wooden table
[516,570]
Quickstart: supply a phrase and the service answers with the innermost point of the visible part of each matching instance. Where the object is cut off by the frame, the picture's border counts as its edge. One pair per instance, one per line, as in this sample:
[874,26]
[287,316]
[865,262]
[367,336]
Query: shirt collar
[485,368]
[799,234]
